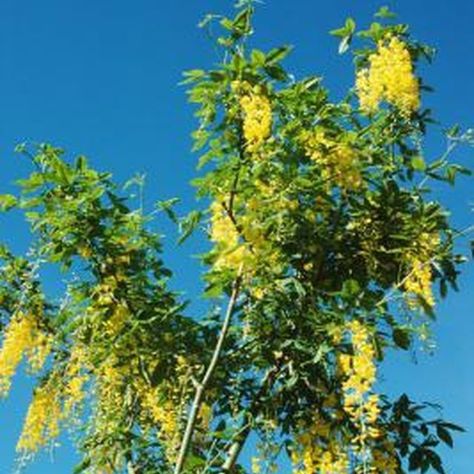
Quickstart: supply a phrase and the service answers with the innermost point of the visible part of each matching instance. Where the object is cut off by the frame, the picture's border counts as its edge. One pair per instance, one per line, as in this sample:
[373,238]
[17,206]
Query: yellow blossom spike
[389,77]
[42,423]
[257,113]
[23,338]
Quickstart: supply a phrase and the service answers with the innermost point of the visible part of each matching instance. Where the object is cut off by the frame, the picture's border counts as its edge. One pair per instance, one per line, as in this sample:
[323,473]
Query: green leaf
[277,55]
[193,75]
[401,337]
[453,427]
[189,224]
[351,288]
[7,201]
[444,435]
[415,460]
[81,163]
[418,163]
[82,466]
[258,57]
[276,72]
[386,13]
[344,44]
[347,30]
[167,207]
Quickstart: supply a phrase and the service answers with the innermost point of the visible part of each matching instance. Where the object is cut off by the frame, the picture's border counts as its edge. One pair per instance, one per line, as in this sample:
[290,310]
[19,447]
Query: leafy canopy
[327,249]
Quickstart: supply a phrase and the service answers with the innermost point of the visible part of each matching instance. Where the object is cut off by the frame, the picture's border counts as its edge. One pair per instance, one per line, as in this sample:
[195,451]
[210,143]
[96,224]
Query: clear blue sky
[100,78]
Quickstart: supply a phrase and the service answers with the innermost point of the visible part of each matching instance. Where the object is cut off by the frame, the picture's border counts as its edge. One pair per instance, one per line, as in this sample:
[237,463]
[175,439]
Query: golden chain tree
[327,252]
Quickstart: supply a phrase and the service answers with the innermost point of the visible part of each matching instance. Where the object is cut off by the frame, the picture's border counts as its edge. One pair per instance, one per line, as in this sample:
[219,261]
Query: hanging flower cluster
[315,454]
[359,373]
[389,77]
[418,283]
[257,118]
[164,405]
[42,423]
[231,252]
[75,380]
[23,337]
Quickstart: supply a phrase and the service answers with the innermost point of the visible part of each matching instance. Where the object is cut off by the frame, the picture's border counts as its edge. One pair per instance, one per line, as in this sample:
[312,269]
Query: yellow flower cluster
[257,115]
[76,378]
[43,418]
[315,458]
[111,388]
[256,467]
[339,160]
[23,338]
[165,403]
[117,320]
[359,372]
[314,454]
[164,414]
[232,253]
[418,283]
[390,77]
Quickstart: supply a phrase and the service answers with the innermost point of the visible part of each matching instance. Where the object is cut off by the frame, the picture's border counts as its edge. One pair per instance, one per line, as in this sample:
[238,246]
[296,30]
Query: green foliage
[321,220]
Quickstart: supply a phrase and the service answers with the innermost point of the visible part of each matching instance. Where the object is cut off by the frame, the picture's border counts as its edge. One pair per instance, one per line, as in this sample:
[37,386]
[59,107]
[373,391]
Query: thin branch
[201,387]
[389,296]
[226,447]
[237,446]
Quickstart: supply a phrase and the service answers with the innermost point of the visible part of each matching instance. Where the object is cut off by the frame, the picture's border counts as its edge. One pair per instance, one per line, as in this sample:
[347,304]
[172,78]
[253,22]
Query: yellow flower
[339,159]
[165,416]
[359,372]
[256,468]
[232,253]
[43,418]
[23,338]
[418,283]
[389,77]
[257,114]
[76,378]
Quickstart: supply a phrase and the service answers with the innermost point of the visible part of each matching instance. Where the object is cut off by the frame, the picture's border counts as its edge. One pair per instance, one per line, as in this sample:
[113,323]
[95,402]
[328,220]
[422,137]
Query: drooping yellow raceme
[165,415]
[76,378]
[110,390]
[317,459]
[165,404]
[23,338]
[418,283]
[42,423]
[339,160]
[359,374]
[319,447]
[120,315]
[232,253]
[257,119]
[389,77]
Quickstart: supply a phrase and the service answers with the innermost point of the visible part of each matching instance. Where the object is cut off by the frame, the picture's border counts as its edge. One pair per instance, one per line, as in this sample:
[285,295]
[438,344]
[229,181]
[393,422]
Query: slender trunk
[201,387]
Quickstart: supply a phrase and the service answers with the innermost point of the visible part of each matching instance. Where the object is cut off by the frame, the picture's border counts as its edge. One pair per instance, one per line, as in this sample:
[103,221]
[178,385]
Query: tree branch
[201,387]
[237,446]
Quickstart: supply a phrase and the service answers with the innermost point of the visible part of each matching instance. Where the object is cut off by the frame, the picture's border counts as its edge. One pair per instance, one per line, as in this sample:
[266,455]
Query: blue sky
[100,78]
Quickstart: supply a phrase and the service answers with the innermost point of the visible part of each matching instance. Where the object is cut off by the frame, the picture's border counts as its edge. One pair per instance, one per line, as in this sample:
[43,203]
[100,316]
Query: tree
[326,249]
